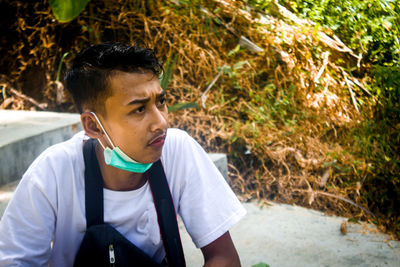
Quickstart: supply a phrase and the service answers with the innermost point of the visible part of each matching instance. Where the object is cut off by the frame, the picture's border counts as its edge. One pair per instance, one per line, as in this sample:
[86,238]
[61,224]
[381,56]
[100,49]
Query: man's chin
[152,159]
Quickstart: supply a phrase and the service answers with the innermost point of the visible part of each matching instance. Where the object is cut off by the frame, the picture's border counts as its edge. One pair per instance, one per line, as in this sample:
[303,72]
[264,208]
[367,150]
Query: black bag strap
[166,215]
[93,185]
[161,195]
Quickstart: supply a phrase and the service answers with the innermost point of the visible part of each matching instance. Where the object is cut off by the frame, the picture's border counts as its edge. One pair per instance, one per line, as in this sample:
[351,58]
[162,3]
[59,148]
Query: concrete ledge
[221,162]
[25,134]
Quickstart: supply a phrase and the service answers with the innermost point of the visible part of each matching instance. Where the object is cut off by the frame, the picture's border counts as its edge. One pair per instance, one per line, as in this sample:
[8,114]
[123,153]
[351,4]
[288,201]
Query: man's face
[136,115]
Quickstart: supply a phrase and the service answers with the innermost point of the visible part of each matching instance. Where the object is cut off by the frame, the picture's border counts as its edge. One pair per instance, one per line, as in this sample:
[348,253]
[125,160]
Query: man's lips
[158,141]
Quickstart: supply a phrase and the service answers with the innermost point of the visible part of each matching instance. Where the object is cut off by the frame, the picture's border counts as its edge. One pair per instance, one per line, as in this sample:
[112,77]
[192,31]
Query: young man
[122,105]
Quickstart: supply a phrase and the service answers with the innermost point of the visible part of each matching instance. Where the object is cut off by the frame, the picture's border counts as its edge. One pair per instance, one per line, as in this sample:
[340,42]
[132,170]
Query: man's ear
[91,126]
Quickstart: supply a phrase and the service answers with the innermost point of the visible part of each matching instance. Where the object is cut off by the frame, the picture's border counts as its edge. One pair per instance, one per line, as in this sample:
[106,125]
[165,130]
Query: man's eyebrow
[139,101]
[145,100]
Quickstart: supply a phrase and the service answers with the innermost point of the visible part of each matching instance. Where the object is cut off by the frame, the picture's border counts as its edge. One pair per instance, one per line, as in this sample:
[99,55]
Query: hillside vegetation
[302,95]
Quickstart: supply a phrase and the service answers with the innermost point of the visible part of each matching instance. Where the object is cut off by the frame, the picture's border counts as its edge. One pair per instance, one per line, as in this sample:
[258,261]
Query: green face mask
[117,158]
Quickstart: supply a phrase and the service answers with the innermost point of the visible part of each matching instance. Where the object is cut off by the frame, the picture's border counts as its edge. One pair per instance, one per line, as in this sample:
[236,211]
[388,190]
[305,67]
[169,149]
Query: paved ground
[283,235]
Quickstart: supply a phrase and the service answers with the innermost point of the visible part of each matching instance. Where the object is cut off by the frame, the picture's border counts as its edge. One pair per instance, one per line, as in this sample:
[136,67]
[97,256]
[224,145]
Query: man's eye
[139,110]
[162,101]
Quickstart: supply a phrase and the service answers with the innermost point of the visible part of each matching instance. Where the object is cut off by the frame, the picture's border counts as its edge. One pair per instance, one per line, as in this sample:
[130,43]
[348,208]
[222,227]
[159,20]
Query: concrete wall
[16,157]
[25,134]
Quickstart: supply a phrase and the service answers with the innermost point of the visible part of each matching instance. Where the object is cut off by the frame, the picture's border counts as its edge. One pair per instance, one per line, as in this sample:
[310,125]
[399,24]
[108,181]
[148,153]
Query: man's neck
[117,179]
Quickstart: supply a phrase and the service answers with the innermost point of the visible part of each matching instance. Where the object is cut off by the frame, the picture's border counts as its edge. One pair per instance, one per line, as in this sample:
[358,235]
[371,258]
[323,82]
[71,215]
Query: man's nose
[159,120]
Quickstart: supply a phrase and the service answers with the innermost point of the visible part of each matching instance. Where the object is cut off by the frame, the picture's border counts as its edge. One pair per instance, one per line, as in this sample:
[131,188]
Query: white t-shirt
[45,221]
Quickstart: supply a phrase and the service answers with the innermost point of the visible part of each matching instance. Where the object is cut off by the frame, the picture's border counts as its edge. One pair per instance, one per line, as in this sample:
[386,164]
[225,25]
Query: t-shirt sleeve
[26,228]
[207,205]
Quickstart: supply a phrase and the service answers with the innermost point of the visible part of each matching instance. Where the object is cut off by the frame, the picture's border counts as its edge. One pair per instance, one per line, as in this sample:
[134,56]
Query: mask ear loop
[102,128]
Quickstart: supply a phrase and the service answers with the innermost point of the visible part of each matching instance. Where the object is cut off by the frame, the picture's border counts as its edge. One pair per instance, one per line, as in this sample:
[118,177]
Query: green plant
[168,70]
[67,10]
[60,65]
[379,141]
[261,264]
[183,105]
[368,27]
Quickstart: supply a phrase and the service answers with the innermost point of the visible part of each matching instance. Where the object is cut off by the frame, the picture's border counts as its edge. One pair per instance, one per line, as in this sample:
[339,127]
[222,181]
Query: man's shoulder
[181,151]
[175,139]
[175,133]
[56,167]
[69,148]
[60,154]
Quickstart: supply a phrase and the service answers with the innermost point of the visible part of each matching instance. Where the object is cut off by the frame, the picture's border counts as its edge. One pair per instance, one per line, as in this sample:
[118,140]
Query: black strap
[166,215]
[93,185]
[161,195]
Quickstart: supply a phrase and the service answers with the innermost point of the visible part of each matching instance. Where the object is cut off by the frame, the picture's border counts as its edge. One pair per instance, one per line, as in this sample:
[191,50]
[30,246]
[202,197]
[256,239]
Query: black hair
[88,78]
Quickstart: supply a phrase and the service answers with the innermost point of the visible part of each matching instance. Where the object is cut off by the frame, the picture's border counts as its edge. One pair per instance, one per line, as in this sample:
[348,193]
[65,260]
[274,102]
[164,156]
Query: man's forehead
[140,76]
[134,84]
[127,89]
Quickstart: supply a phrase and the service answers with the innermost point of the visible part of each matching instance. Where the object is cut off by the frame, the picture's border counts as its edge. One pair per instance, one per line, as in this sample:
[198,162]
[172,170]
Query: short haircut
[88,78]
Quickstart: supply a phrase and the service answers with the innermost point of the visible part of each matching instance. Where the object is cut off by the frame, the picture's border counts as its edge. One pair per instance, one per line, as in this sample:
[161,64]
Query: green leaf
[182,105]
[261,264]
[168,70]
[352,220]
[239,65]
[67,10]
[234,51]
[60,65]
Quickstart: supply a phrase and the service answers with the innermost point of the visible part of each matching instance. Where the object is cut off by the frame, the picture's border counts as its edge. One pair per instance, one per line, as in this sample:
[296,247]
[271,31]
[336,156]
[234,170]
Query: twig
[59,88]
[204,95]
[3,90]
[353,98]
[42,106]
[325,177]
[338,197]
[361,86]
[249,45]
[325,56]
[345,200]
[353,81]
